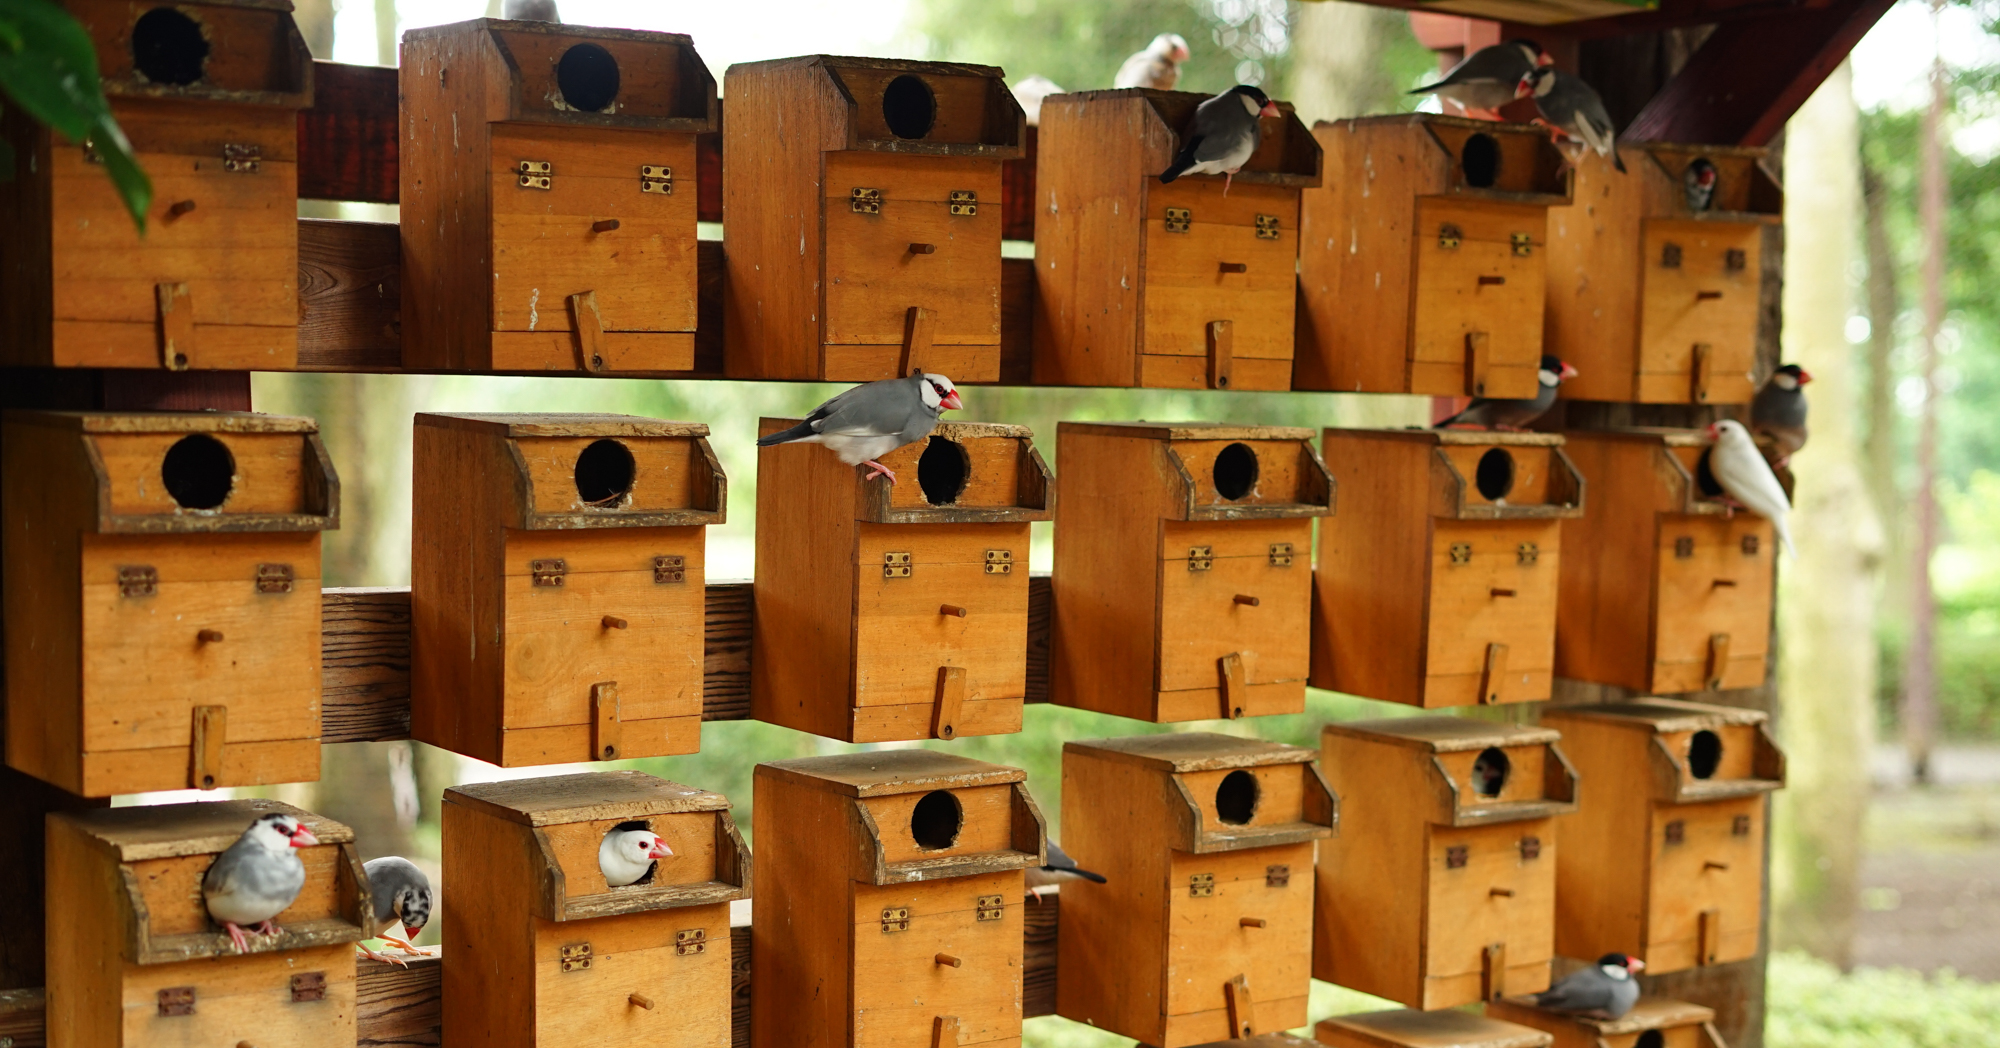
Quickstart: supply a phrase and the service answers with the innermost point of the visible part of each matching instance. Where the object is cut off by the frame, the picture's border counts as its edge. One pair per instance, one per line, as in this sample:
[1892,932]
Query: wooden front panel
[1523,781]
[1483,888]
[899,987]
[1185,286]
[1208,945]
[901,634]
[1682,262]
[1281,793]
[241,1000]
[993,468]
[171,890]
[1505,593]
[872,278]
[634,954]
[1697,560]
[663,472]
[268,473]
[1200,620]
[544,248]
[1739,749]
[1451,302]
[236,249]
[691,836]
[1714,860]
[987,822]
[1689,1036]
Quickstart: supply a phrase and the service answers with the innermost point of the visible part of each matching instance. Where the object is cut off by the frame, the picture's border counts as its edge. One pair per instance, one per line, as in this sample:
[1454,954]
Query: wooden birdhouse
[1438,586]
[1415,1029]
[863,218]
[904,606]
[1441,889]
[1422,260]
[1654,300]
[1183,568]
[889,908]
[162,598]
[135,960]
[1665,590]
[1187,284]
[208,92]
[1221,829]
[565,959]
[556,591]
[548,196]
[1655,1022]
[1665,859]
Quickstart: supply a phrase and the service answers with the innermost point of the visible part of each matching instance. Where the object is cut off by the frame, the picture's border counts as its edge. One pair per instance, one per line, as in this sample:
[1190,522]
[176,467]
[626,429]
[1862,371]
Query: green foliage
[1813,1005]
[49,68]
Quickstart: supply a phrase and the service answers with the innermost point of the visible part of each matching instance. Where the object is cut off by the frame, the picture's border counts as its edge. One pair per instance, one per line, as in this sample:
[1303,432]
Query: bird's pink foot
[384,958]
[236,936]
[1226,177]
[879,471]
[1035,894]
[269,928]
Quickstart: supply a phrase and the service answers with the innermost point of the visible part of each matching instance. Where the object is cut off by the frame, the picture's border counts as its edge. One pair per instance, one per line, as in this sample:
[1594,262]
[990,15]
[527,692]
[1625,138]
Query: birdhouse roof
[1445,734]
[1188,430]
[1409,1028]
[565,424]
[1178,752]
[587,797]
[165,421]
[1460,436]
[884,773]
[1665,715]
[166,831]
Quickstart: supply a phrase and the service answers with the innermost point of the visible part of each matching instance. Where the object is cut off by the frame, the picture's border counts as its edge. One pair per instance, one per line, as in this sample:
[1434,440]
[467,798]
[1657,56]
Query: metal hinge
[1670,256]
[1528,554]
[242,159]
[1683,547]
[1278,876]
[576,957]
[896,919]
[999,562]
[1456,856]
[1281,554]
[897,566]
[964,202]
[991,908]
[1267,227]
[1449,236]
[138,580]
[1677,832]
[1749,545]
[1735,259]
[690,942]
[1531,849]
[1201,558]
[1201,886]
[535,174]
[1179,219]
[670,569]
[176,1000]
[274,578]
[308,986]
[548,572]
[1739,826]
[1524,244]
[653,178]
[1461,553]
[864,201]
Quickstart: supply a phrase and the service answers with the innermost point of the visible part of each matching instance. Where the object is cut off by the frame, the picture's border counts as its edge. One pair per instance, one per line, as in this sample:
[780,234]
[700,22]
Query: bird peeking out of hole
[628,853]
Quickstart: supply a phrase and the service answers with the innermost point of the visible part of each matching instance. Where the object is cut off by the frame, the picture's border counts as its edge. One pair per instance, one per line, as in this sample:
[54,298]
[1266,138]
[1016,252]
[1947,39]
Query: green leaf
[48,66]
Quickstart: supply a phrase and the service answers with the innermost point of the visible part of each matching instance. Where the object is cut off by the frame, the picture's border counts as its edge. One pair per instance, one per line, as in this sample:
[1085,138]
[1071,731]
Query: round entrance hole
[1236,798]
[1704,754]
[1704,479]
[1480,161]
[587,76]
[1235,471]
[936,819]
[168,48]
[1651,1039]
[909,107]
[1489,771]
[604,473]
[637,824]
[198,472]
[1495,476]
[942,471]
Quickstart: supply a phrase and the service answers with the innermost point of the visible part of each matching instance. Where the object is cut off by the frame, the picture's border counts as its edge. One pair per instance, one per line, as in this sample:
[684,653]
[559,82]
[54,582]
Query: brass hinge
[1524,245]
[897,566]
[176,1000]
[308,986]
[1449,236]
[242,159]
[999,562]
[1179,219]
[1461,553]
[1735,259]
[1749,545]
[964,202]
[653,178]
[671,568]
[1201,886]
[690,942]
[576,957]
[1278,876]
[274,578]
[1267,227]
[1456,856]
[864,201]
[1201,558]
[991,907]
[535,174]
[1531,849]
[1528,553]
[896,919]
[1739,826]
[1670,256]
[1683,547]
[548,572]
[138,580]
[1677,832]
[1281,554]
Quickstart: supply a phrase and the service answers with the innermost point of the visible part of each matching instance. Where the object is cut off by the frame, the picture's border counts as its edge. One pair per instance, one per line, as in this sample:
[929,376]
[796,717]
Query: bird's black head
[1531,48]
[1255,94]
[1538,82]
[1795,373]
[413,907]
[1619,960]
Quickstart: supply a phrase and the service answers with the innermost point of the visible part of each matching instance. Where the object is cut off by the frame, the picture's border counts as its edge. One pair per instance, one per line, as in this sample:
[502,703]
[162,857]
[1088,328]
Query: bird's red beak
[1524,88]
[1713,431]
[1634,965]
[660,849]
[1545,59]
[303,838]
[1804,376]
[1568,372]
[408,935]
[951,401]
[1270,109]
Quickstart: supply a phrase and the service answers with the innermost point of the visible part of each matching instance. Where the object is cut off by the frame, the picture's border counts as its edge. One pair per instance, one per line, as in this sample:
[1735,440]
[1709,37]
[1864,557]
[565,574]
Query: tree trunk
[1919,706]
[1879,443]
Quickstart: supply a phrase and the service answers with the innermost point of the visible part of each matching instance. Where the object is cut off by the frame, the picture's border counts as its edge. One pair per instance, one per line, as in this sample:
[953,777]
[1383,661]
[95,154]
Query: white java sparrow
[867,422]
[1060,868]
[1747,479]
[530,10]
[1226,131]
[628,851]
[1699,183]
[253,880]
[1030,92]
[1489,77]
[1780,410]
[1605,988]
[1157,67]
[1572,109]
[402,895]
[1492,413]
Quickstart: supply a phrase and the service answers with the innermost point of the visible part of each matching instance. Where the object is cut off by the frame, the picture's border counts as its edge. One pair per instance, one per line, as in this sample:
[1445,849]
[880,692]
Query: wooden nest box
[1202,930]
[135,961]
[1422,261]
[1651,299]
[903,607]
[1183,568]
[1437,586]
[548,195]
[1414,1029]
[208,92]
[1655,1022]
[889,910]
[162,598]
[563,957]
[1187,284]
[863,218]
[1665,859]
[556,585]
[1441,889]
[1664,590]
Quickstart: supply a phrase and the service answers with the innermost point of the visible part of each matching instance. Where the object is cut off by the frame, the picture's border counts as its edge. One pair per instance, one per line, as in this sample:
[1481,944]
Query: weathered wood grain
[350,295]
[347,140]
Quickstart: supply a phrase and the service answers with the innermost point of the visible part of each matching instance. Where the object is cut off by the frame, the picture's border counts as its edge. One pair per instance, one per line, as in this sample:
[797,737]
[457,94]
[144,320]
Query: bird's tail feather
[800,431]
[1175,170]
[1089,876]
[1448,422]
[1617,161]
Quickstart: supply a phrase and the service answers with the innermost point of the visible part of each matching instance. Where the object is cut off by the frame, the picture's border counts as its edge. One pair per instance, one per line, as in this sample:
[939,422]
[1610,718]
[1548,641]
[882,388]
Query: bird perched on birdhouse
[1502,413]
[257,877]
[1748,480]
[1779,411]
[1605,988]
[1572,109]
[402,895]
[1656,1022]
[1488,78]
[1227,130]
[867,422]
[1157,66]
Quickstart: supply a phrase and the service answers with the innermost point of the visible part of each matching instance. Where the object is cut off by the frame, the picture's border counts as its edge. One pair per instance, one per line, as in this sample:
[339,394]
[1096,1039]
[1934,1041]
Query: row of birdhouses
[542,230]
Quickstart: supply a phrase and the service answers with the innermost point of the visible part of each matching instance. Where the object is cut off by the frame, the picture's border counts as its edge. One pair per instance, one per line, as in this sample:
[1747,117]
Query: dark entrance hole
[168,47]
[198,471]
[1480,160]
[1236,798]
[587,76]
[1704,479]
[909,107]
[1651,1039]
[1704,754]
[604,473]
[1489,771]
[1495,476]
[936,819]
[637,824]
[1235,471]
[942,471]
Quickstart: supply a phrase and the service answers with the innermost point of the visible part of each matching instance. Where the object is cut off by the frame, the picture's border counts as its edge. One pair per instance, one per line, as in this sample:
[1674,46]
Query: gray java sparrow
[254,879]
[867,422]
